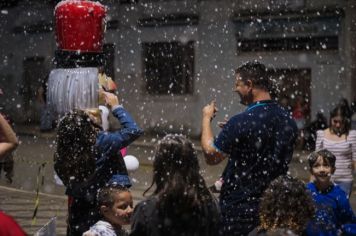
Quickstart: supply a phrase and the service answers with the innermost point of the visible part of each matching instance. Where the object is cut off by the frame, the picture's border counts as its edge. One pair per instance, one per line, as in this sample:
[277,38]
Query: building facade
[170,58]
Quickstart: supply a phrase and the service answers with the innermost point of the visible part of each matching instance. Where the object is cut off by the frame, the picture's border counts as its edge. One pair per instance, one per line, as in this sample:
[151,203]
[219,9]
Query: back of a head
[286,204]
[74,159]
[320,116]
[184,201]
[257,73]
[175,156]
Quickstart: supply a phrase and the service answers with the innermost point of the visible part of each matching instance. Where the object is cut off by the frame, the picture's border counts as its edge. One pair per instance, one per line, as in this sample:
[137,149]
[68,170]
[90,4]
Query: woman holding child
[341,141]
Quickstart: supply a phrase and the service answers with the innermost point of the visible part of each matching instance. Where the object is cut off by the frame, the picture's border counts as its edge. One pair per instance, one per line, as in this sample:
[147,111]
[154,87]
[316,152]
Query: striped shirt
[344,151]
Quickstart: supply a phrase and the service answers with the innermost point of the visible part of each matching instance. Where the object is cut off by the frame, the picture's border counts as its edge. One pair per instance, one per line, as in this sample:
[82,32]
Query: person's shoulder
[238,119]
[337,191]
[240,115]
[312,190]
[310,186]
[100,226]
[148,204]
[145,211]
[149,200]
[282,112]
[352,134]
[320,132]
[90,233]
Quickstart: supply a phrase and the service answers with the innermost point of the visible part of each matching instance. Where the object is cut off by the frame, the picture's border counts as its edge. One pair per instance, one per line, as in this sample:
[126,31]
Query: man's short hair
[257,73]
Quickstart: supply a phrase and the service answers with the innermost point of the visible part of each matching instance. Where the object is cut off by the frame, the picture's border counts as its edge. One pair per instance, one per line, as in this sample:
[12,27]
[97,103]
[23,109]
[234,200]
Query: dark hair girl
[181,203]
[286,204]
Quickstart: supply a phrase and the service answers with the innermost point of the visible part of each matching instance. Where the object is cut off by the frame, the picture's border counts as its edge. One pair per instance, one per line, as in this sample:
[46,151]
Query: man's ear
[249,83]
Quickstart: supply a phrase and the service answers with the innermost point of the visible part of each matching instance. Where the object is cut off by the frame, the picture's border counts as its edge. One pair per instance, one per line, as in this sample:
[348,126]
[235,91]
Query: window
[128,1]
[34,75]
[169,20]
[288,44]
[310,32]
[109,59]
[168,67]
[8,3]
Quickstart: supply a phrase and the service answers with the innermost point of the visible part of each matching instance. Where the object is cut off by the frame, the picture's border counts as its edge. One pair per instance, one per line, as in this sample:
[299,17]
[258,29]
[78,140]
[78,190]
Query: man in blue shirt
[258,144]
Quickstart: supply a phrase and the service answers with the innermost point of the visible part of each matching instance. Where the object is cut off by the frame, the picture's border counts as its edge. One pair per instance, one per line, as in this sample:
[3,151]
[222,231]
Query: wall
[216,58]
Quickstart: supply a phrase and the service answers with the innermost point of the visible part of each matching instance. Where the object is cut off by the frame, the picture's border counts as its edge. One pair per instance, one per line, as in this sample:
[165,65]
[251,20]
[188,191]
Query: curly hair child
[285,204]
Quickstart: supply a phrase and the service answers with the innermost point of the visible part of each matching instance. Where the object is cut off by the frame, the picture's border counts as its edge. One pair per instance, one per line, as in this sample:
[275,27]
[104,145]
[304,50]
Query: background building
[170,58]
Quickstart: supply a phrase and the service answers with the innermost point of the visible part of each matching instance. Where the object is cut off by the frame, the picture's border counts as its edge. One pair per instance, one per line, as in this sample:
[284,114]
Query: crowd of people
[257,195]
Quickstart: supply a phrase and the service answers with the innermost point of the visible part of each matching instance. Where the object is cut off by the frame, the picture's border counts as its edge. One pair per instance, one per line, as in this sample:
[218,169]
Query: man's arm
[211,154]
[9,140]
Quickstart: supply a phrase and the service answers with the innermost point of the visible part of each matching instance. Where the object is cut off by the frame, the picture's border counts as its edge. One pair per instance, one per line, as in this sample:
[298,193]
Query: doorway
[293,86]
[34,76]
[292,90]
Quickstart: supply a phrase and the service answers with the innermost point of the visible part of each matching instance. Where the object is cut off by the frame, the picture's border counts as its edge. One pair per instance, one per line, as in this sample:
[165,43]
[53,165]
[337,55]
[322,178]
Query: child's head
[116,205]
[175,158]
[182,195]
[322,165]
[286,204]
[75,154]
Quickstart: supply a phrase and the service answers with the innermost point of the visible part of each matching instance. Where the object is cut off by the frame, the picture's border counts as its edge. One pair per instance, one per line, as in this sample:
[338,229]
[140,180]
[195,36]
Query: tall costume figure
[74,84]
[73,91]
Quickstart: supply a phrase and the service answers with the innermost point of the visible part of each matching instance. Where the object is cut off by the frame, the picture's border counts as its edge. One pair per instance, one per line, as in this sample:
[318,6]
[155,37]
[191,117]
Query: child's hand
[111,99]
[221,124]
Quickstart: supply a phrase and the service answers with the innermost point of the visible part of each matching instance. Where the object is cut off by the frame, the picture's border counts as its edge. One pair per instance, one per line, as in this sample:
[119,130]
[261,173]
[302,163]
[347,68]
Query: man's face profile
[244,90]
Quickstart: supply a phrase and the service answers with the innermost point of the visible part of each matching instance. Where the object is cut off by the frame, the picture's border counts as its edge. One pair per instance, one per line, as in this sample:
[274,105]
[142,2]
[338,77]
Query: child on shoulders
[115,206]
[334,213]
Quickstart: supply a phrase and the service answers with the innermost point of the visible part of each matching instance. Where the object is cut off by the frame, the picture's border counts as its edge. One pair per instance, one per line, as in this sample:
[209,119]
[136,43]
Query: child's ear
[104,209]
[333,170]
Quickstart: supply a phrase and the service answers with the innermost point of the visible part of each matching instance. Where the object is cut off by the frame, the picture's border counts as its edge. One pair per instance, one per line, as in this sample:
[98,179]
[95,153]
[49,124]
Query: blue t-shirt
[259,142]
[333,213]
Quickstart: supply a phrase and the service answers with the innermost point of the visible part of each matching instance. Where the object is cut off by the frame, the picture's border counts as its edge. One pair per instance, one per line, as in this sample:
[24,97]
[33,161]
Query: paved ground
[18,199]
[20,204]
